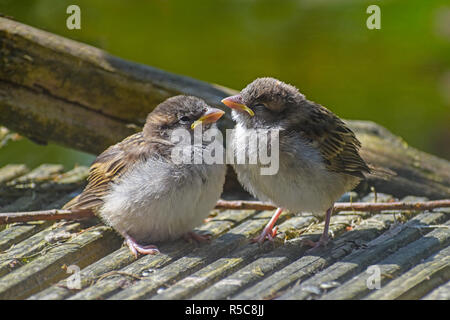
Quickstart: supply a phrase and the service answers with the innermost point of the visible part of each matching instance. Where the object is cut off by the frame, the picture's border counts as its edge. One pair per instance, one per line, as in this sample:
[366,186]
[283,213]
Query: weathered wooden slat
[41,173]
[230,267]
[393,265]
[250,274]
[418,173]
[30,248]
[194,261]
[5,136]
[52,198]
[24,187]
[125,277]
[18,232]
[440,293]
[12,171]
[46,179]
[86,248]
[21,233]
[113,261]
[206,276]
[76,175]
[418,281]
[222,267]
[359,260]
[271,262]
[146,265]
[25,203]
[305,266]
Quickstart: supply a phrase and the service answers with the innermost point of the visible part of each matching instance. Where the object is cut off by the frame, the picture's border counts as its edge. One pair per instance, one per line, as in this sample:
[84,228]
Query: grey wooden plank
[27,250]
[147,265]
[22,189]
[46,181]
[12,171]
[224,265]
[209,274]
[28,202]
[376,250]
[306,265]
[228,267]
[15,233]
[74,176]
[268,264]
[393,265]
[440,293]
[419,280]
[41,173]
[377,197]
[46,269]
[366,230]
[87,276]
[109,284]
[196,260]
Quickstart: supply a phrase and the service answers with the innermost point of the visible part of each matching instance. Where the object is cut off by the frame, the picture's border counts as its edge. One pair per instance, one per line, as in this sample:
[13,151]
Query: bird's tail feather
[380,172]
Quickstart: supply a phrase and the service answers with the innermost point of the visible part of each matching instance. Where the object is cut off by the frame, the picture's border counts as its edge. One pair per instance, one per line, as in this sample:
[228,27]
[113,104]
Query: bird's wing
[338,144]
[108,168]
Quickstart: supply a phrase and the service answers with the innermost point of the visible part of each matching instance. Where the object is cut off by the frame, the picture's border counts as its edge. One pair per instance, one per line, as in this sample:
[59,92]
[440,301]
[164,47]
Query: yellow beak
[210,116]
[235,102]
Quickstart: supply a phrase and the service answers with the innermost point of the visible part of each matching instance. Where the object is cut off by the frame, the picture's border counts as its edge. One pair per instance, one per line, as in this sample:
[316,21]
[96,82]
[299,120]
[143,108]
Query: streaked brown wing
[336,142]
[108,168]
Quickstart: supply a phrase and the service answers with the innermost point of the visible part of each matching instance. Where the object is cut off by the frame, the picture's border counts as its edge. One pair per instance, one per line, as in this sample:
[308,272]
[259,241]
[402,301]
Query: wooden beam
[56,89]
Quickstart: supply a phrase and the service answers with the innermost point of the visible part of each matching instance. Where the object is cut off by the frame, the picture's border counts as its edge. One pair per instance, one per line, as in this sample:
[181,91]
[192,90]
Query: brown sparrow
[318,153]
[135,186]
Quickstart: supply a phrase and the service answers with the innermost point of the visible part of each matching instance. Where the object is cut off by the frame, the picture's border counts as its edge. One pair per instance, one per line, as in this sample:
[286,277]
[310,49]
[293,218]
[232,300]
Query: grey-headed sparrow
[136,187]
[318,153]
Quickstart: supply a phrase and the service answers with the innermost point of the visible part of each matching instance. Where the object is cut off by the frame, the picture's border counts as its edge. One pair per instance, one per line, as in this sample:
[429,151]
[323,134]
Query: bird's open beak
[210,116]
[235,102]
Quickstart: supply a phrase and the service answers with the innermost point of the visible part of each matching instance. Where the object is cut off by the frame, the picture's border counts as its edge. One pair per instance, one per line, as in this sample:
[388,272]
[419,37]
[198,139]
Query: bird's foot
[136,248]
[267,234]
[191,235]
[269,231]
[323,241]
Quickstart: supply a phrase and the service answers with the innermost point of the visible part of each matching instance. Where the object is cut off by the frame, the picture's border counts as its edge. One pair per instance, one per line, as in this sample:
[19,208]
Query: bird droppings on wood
[410,247]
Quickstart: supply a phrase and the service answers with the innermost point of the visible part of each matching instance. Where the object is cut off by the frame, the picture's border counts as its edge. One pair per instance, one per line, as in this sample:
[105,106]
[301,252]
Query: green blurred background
[398,76]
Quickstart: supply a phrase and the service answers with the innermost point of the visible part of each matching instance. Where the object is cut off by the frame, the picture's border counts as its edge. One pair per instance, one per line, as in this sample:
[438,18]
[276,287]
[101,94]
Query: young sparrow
[318,153]
[135,186]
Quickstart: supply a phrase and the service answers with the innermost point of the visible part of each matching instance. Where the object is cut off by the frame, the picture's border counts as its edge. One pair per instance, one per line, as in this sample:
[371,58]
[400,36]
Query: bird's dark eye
[259,106]
[185,119]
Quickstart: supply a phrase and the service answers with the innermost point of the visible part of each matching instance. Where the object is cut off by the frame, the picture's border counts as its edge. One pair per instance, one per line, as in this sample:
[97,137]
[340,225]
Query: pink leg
[269,231]
[135,247]
[324,238]
[191,235]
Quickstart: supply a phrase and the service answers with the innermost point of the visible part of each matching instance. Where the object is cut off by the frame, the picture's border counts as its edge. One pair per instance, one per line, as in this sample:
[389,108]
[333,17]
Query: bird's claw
[266,234]
[197,237]
[136,248]
[323,241]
